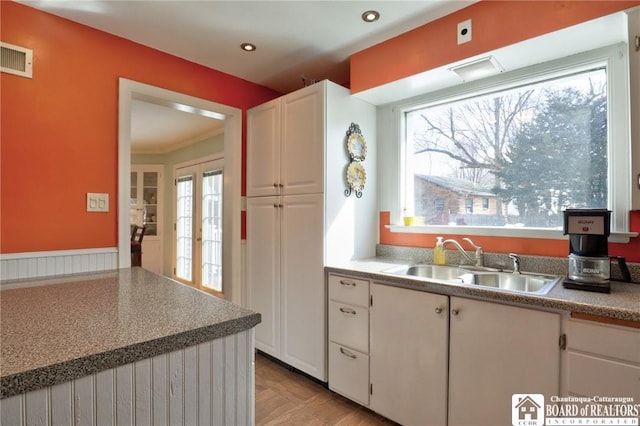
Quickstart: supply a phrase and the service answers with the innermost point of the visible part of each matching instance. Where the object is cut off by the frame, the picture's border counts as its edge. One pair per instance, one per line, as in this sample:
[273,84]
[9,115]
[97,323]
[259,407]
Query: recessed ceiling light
[370,16]
[248,47]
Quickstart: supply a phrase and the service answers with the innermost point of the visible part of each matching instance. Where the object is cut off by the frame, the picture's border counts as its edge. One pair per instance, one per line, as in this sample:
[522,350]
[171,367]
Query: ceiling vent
[16,60]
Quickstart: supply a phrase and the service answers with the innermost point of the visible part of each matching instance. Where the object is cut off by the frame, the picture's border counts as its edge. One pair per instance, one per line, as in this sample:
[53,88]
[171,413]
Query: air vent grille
[16,60]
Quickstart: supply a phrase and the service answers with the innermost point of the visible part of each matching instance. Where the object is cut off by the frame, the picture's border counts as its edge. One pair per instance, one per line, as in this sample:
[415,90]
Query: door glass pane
[212,230]
[184,228]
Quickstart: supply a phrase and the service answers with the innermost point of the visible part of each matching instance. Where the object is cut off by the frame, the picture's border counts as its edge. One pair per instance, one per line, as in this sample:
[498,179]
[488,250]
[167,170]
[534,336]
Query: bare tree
[476,134]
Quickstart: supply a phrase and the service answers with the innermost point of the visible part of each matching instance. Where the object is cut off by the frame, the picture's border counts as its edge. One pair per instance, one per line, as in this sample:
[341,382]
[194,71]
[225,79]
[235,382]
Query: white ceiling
[157,129]
[307,38]
[311,38]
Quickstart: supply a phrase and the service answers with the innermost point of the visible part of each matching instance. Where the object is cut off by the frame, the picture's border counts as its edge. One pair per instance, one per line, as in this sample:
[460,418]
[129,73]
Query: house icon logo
[527,409]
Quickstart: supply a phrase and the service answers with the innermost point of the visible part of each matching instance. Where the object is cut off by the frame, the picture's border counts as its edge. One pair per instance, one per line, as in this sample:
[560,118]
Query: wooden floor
[284,397]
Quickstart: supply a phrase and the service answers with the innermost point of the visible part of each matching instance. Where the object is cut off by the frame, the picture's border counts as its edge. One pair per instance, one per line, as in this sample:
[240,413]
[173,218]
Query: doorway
[198,235]
[129,90]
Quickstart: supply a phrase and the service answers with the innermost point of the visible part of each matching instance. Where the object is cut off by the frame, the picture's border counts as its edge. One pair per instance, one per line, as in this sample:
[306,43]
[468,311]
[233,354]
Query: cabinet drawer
[349,290]
[589,376]
[349,326]
[349,373]
[601,339]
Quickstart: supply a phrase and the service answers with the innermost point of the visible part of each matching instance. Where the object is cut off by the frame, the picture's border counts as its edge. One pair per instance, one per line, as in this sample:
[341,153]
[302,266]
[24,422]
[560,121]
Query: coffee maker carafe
[589,262]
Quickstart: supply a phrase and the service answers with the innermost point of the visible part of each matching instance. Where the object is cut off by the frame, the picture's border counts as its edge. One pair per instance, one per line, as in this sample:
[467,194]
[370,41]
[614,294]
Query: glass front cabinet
[146,204]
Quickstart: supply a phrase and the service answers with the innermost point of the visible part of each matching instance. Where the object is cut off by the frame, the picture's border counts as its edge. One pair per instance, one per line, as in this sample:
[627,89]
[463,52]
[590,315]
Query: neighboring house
[443,200]
[527,409]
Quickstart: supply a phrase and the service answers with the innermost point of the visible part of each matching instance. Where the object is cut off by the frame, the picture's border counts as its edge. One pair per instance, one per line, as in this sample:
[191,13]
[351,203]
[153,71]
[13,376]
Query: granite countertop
[58,329]
[622,303]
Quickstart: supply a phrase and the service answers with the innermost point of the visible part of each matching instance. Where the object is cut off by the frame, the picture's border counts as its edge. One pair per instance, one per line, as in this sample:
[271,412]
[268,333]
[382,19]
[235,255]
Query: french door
[198,225]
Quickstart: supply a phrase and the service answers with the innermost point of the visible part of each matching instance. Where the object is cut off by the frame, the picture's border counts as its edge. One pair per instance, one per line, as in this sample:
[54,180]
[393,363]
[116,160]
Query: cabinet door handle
[347,283]
[439,309]
[280,185]
[348,311]
[455,312]
[275,185]
[347,353]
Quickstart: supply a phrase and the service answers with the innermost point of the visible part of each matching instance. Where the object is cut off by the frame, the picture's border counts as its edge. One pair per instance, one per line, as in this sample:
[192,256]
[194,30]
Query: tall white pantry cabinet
[299,218]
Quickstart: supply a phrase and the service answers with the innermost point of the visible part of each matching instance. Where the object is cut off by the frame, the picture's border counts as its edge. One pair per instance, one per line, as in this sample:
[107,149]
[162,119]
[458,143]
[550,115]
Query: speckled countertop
[58,329]
[622,303]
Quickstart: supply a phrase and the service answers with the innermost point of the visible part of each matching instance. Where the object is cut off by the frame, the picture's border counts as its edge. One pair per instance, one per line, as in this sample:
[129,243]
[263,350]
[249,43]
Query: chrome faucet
[516,263]
[479,258]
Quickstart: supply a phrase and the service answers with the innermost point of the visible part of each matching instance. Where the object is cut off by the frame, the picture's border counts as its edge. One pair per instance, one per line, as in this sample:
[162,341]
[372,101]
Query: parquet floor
[284,397]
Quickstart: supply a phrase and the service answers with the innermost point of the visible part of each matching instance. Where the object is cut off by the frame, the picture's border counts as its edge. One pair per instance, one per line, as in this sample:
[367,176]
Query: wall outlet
[464,31]
[97,202]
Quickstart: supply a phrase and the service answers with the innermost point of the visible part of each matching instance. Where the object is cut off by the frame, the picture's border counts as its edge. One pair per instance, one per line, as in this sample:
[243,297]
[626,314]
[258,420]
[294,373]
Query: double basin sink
[517,282]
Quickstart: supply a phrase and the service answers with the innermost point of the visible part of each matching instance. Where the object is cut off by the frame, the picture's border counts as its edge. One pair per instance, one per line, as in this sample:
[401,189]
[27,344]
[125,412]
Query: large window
[517,152]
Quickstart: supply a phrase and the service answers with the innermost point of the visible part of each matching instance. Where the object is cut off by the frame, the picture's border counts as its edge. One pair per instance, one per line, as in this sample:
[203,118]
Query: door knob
[438,310]
[455,312]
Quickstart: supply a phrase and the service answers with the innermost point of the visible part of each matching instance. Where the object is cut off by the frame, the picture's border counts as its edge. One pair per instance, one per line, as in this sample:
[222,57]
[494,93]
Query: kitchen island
[123,347]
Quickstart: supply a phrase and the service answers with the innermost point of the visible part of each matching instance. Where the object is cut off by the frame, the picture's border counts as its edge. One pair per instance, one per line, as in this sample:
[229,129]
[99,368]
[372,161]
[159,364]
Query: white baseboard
[16,266]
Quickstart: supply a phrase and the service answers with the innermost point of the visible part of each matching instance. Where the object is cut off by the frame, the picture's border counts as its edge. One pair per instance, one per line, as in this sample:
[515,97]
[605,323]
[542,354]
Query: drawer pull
[347,353]
[347,283]
[348,311]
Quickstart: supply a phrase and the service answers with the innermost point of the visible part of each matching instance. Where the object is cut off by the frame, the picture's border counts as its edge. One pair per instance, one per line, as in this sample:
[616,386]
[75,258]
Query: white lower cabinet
[496,351]
[601,360]
[284,263]
[408,358]
[349,337]
[349,373]
[440,360]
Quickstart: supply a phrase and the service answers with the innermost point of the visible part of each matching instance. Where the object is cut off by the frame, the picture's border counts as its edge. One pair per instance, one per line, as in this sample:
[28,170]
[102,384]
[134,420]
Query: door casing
[128,90]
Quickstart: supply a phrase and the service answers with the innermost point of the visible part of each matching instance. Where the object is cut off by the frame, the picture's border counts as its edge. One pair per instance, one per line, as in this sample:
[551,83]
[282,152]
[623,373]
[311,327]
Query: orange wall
[530,246]
[495,24]
[59,130]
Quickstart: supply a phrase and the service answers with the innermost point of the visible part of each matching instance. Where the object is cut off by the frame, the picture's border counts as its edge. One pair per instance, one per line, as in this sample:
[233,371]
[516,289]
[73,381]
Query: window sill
[540,233]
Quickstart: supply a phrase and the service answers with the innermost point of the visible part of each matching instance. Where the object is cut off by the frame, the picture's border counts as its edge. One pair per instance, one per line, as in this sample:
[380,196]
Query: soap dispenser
[439,257]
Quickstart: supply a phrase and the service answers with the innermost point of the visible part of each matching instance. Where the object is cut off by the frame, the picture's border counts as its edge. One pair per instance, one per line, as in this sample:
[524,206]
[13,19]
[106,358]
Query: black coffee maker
[589,261]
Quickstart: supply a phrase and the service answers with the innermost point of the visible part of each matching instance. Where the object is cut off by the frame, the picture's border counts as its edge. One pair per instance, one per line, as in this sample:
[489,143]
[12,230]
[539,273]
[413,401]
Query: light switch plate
[97,202]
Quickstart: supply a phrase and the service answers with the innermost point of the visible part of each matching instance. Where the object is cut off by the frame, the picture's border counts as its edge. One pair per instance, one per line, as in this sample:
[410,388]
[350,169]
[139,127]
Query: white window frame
[615,58]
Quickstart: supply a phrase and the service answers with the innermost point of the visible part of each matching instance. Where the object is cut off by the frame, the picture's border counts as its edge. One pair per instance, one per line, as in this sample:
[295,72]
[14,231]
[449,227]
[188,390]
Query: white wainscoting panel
[16,266]
[208,384]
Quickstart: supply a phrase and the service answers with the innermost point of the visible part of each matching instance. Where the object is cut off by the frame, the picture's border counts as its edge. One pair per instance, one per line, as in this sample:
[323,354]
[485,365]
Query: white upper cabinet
[302,149]
[263,149]
[285,149]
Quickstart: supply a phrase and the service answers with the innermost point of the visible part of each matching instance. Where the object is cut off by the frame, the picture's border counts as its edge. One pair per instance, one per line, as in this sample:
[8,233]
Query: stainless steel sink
[521,283]
[538,284]
[448,273]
